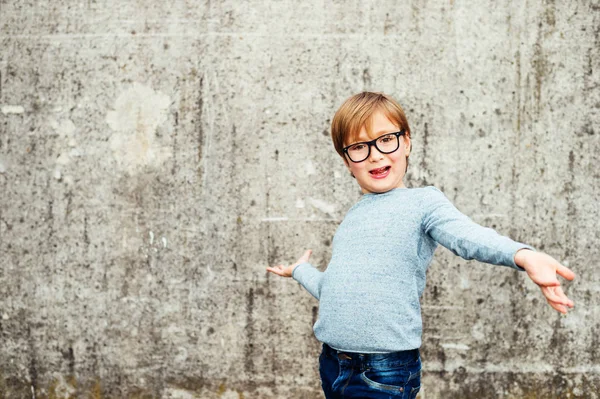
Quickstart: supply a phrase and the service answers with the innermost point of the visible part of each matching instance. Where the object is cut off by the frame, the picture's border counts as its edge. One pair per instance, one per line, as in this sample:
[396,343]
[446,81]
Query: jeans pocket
[398,380]
[392,381]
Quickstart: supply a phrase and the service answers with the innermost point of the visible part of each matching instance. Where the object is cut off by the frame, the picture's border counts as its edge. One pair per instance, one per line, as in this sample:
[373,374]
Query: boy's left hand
[543,269]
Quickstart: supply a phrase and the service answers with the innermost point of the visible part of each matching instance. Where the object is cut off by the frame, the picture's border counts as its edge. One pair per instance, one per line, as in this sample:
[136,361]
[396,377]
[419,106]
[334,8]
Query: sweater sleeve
[309,277]
[465,238]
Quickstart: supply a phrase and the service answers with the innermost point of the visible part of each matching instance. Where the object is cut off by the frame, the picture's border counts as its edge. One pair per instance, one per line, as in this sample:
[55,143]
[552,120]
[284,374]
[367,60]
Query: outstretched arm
[543,270]
[454,230]
[457,232]
[303,272]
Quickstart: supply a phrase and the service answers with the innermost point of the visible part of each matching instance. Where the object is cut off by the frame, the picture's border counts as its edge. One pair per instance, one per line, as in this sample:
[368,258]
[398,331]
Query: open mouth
[381,172]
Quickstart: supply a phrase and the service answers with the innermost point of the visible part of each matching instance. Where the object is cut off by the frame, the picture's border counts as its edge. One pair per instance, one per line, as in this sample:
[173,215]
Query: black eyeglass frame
[374,143]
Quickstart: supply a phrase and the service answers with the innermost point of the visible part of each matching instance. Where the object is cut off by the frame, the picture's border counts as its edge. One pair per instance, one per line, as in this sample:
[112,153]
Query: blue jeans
[373,376]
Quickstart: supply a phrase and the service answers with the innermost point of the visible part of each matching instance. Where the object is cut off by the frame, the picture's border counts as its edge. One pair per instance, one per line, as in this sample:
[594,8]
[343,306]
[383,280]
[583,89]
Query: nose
[375,153]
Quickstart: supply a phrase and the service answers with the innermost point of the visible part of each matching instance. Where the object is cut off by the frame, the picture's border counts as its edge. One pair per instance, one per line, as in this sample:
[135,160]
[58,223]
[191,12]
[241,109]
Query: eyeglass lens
[385,144]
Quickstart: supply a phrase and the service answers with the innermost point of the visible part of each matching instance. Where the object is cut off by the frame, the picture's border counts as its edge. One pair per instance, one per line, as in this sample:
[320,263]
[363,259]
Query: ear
[407,144]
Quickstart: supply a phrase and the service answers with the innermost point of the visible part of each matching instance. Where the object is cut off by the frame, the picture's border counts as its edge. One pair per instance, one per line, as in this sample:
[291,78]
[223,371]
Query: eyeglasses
[385,144]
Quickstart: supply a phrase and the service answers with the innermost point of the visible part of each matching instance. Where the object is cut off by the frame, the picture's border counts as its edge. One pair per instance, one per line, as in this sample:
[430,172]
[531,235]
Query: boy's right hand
[286,271]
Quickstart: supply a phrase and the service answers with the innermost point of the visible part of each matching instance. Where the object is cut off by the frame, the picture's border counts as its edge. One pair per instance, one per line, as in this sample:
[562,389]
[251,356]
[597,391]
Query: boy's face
[396,161]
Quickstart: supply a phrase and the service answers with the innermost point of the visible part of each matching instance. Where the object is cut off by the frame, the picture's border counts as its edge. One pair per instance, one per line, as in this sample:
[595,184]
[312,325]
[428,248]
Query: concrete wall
[156,156]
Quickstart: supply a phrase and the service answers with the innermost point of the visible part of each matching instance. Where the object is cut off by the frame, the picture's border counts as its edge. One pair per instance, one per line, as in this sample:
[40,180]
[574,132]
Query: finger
[559,291]
[556,294]
[557,306]
[561,308]
[561,294]
[551,295]
[565,272]
[274,270]
[551,283]
[306,255]
[550,279]
[545,278]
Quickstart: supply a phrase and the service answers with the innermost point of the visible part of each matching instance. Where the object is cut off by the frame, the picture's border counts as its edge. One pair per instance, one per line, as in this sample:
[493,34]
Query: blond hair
[357,111]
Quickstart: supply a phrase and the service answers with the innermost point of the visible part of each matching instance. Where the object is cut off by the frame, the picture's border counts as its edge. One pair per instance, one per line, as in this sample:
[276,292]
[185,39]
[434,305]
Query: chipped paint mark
[138,112]
[12,109]
[63,159]
[151,234]
[182,354]
[275,219]
[179,394]
[164,242]
[464,282]
[231,394]
[309,167]
[65,128]
[460,347]
[477,331]
[299,203]
[323,206]
[75,153]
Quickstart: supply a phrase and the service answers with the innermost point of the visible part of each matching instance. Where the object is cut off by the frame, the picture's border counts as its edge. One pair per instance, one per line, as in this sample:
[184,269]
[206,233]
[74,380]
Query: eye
[357,147]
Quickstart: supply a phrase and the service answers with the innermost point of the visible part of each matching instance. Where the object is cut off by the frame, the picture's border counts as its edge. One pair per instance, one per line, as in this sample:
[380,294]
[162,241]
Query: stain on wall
[135,142]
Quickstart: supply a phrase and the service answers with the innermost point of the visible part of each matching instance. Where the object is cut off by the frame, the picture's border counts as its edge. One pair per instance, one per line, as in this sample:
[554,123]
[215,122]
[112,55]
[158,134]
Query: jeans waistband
[398,358]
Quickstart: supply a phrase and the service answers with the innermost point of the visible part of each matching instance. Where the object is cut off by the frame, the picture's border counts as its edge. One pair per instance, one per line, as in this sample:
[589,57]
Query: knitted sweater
[369,295]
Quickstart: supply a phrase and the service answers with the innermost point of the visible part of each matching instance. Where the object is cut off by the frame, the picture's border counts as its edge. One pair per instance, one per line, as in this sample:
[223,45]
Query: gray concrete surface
[156,156]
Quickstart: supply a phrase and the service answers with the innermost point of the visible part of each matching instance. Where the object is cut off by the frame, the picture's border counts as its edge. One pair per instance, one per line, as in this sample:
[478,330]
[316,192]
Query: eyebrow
[384,131]
[377,135]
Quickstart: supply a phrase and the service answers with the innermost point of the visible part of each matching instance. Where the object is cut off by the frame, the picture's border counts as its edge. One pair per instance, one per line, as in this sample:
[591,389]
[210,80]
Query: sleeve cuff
[298,267]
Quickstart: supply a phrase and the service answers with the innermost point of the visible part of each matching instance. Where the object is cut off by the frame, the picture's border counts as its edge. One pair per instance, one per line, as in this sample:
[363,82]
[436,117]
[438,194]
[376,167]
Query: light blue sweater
[369,295]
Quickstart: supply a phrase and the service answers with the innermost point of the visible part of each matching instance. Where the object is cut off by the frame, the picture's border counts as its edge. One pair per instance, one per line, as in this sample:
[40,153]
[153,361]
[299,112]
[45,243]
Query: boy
[369,311]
